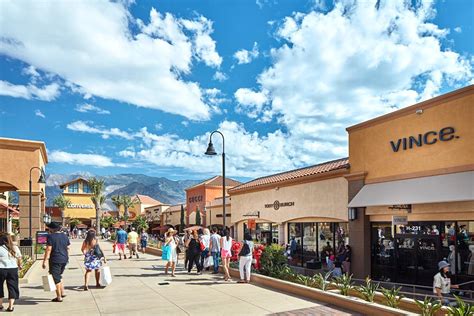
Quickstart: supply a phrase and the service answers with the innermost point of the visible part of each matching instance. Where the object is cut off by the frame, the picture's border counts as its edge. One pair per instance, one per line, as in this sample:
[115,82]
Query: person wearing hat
[442,282]
[57,254]
[170,239]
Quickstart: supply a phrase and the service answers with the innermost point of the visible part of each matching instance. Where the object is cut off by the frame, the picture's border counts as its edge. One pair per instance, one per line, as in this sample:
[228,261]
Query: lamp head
[210,149]
[42,178]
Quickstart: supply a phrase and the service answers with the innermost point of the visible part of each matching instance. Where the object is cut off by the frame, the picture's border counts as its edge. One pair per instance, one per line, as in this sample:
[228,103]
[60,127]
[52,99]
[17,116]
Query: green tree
[141,223]
[198,217]
[73,222]
[117,201]
[181,222]
[108,221]
[62,202]
[127,203]
[98,198]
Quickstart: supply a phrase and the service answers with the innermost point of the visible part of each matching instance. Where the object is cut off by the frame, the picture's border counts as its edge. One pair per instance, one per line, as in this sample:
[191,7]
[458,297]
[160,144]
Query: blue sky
[136,87]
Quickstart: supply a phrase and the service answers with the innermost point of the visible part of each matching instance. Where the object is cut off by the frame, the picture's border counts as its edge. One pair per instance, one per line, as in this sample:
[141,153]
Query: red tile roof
[145,199]
[217,182]
[325,167]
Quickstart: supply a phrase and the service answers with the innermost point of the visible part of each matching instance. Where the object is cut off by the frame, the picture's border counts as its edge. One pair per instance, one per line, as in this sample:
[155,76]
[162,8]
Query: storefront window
[295,236]
[309,243]
[382,251]
[465,243]
[325,241]
[86,188]
[73,187]
[275,234]
[264,233]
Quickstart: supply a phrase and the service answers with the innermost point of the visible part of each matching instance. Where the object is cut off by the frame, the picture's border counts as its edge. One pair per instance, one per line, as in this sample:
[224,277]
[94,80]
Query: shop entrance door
[418,257]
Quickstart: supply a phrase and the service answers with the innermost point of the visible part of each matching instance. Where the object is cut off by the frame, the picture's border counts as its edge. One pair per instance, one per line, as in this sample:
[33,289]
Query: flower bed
[26,263]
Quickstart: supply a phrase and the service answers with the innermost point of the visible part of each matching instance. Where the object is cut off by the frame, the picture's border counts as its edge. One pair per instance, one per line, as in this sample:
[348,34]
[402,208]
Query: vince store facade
[308,204]
[411,191]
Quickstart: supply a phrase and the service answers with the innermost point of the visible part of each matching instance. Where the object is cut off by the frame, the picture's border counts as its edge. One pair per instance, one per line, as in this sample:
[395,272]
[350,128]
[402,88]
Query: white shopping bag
[48,283]
[105,276]
[208,262]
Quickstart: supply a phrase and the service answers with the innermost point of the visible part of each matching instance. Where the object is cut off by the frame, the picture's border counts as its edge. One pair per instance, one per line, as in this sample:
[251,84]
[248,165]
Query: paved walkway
[136,291]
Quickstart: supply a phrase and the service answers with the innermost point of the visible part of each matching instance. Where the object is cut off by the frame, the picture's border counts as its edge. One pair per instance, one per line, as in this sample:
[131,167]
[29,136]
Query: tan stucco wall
[212,212]
[171,218]
[325,198]
[370,150]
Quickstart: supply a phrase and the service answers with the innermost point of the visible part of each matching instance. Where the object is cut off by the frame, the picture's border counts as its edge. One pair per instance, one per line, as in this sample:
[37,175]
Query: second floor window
[73,187]
[86,188]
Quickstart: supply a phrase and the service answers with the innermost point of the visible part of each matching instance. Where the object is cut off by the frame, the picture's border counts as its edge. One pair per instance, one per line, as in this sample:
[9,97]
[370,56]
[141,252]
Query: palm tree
[181,222]
[117,201]
[73,222]
[127,203]
[141,223]
[98,198]
[62,202]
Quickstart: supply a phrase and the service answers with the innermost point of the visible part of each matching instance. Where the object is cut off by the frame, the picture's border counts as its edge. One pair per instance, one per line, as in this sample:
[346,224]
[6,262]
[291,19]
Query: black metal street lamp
[42,179]
[212,152]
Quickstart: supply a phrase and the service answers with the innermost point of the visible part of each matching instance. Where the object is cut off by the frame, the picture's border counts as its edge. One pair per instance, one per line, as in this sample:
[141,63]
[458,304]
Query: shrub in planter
[392,296]
[26,263]
[461,308]
[322,281]
[428,307]
[272,257]
[368,290]
[344,283]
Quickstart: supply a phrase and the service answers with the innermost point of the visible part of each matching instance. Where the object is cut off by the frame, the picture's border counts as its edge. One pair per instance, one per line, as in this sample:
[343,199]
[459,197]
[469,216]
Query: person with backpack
[245,259]
[143,241]
[93,256]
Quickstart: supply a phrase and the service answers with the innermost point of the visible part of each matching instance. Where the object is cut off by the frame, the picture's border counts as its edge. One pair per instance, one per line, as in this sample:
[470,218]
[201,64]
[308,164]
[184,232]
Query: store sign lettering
[277,204]
[428,138]
[195,199]
[81,206]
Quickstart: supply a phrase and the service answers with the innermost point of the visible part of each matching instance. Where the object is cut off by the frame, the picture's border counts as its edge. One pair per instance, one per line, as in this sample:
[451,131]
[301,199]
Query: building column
[359,236]
[37,212]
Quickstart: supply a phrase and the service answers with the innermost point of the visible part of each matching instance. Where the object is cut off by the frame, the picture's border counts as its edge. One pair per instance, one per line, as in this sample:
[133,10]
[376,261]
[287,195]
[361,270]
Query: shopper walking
[194,252]
[120,241]
[215,248]
[133,242]
[245,259]
[226,253]
[205,241]
[10,262]
[57,255]
[170,240]
[186,237]
[93,256]
[143,241]
[346,264]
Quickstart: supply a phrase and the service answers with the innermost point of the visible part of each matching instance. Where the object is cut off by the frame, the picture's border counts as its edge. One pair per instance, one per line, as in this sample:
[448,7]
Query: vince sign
[429,138]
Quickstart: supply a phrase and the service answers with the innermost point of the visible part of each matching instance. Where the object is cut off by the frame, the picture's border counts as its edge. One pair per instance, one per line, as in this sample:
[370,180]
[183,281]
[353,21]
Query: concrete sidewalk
[136,291]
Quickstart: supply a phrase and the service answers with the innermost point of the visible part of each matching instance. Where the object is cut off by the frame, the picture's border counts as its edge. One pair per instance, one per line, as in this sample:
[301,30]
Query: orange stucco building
[203,193]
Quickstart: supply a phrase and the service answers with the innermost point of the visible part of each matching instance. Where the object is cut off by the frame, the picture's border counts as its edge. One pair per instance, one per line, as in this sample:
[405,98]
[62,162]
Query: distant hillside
[159,188]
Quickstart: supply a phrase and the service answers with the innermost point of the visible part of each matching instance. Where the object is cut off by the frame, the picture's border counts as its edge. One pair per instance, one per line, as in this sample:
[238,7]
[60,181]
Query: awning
[453,187]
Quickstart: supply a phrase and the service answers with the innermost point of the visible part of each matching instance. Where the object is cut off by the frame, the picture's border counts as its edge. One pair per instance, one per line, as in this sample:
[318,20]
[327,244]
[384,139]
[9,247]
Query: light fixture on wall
[352,213]
[419,111]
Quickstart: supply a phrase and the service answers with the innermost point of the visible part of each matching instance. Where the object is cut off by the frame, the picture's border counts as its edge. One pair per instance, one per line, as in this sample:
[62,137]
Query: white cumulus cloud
[30,92]
[87,127]
[92,45]
[93,160]
[244,56]
[87,107]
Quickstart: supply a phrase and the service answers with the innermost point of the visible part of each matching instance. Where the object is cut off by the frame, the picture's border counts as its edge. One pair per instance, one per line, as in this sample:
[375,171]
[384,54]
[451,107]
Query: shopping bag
[105,276]
[114,247]
[48,283]
[166,252]
[208,262]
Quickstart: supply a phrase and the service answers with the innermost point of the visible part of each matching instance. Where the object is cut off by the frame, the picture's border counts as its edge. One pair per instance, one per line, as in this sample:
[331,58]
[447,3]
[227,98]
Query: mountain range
[162,189]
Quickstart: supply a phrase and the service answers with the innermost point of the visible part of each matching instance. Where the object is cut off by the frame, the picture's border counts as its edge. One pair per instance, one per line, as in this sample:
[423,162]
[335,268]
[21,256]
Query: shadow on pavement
[27,300]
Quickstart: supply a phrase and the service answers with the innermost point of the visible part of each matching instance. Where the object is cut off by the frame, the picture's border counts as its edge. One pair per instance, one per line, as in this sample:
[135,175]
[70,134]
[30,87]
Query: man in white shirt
[215,249]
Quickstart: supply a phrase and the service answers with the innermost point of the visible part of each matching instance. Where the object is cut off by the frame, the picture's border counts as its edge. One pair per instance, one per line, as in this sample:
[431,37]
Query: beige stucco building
[81,207]
[17,158]
[411,185]
[307,204]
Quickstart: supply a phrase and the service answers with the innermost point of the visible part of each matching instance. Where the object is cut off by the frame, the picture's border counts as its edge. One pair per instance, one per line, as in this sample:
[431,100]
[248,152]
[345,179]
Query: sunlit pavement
[135,290]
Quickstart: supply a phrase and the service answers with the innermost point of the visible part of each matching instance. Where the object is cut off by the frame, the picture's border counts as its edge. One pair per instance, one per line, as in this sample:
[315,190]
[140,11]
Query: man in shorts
[133,242]
[120,241]
[57,253]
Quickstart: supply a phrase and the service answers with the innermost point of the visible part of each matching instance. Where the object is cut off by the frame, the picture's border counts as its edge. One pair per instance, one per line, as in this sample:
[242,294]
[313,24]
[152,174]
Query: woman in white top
[10,257]
[171,241]
[205,240]
[226,253]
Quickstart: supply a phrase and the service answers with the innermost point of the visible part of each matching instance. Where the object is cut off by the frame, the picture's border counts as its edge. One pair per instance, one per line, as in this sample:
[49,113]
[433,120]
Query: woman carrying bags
[194,252]
[169,251]
[10,257]
[245,259]
[93,256]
